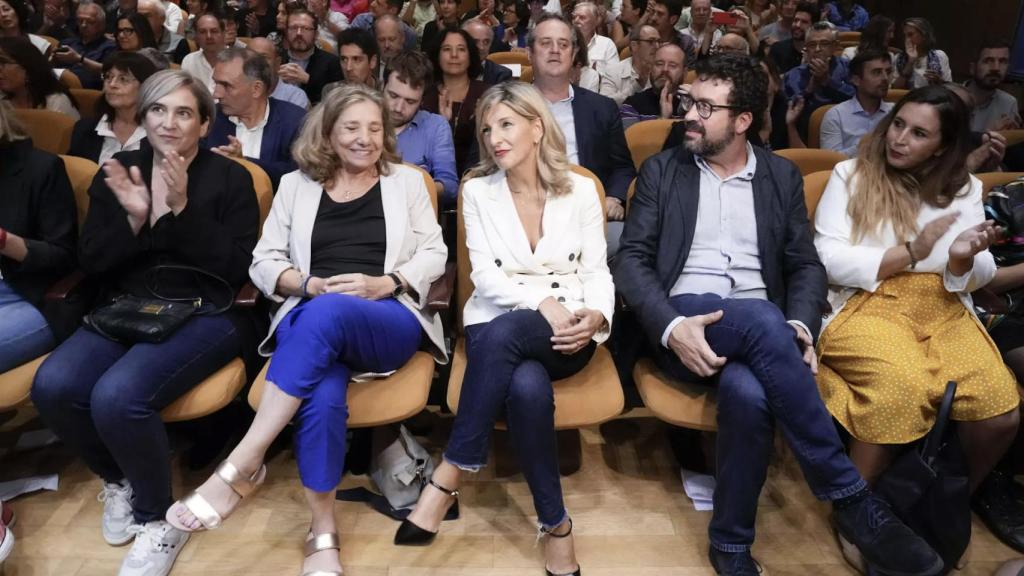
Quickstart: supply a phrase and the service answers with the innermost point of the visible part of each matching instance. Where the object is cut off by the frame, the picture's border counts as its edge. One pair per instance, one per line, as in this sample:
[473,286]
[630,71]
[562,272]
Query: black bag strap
[933,441]
[155,271]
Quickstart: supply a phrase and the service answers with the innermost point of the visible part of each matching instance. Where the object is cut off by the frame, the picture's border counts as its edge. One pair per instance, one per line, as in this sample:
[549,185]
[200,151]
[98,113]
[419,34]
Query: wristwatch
[399,287]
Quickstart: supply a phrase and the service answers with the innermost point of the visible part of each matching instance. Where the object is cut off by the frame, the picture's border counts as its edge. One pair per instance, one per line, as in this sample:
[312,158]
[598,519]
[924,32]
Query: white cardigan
[853,267]
[570,263]
[415,248]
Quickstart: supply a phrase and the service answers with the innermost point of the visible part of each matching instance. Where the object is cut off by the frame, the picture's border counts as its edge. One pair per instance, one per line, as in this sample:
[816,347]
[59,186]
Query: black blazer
[659,232]
[495,73]
[601,141]
[37,203]
[323,68]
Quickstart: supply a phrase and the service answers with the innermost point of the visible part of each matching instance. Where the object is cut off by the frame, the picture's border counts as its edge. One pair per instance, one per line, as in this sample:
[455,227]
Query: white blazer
[415,248]
[852,267]
[570,264]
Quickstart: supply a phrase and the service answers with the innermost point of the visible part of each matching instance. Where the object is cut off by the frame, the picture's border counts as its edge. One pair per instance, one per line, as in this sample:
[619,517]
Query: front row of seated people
[717,261]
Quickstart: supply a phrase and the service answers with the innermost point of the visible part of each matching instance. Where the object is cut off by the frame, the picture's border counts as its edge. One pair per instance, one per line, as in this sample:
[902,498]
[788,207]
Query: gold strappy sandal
[199,507]
[319,543]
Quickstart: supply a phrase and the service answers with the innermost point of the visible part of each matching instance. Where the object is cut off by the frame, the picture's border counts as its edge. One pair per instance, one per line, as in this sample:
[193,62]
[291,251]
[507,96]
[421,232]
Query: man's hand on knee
[688,342]
[806,344]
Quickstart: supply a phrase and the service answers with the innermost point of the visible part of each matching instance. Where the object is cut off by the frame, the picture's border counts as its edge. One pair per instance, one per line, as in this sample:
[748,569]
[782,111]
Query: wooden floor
[631,518]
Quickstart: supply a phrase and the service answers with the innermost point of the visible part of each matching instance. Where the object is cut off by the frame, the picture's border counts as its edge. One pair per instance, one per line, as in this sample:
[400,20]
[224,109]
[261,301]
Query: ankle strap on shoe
[545,532]
[452,493]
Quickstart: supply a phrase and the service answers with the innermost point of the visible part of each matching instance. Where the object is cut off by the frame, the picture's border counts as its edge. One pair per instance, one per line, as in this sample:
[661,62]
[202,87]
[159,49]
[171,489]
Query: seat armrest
[247,296]
[440,295]
[65,286]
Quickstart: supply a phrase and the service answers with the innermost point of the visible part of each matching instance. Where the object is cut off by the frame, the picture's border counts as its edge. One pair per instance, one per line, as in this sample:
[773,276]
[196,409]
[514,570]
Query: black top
[36,203]
[463,122]
[785,55]
[349,237]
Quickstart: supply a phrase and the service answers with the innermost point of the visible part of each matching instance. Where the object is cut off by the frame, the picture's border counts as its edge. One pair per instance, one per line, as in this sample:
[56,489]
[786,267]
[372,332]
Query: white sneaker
[156,547]
[117,513]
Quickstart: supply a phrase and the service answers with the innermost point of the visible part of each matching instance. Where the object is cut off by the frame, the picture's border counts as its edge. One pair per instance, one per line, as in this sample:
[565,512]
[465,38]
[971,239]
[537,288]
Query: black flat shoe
[409,534]
[579,569]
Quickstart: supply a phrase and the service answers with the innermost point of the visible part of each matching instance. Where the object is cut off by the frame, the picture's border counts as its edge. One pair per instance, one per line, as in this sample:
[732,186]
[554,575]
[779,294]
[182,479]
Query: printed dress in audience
[542,285]
[921,63]
[116,127]
[902,323]
[28,81]
[38,233]
[168,203]
[348,253]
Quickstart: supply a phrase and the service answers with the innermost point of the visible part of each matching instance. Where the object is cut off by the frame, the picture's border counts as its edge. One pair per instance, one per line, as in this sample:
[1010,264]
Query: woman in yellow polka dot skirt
[902,234]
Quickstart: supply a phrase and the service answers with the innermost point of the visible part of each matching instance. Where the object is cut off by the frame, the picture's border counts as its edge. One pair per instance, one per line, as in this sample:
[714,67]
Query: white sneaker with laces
[156,547]
[118,513]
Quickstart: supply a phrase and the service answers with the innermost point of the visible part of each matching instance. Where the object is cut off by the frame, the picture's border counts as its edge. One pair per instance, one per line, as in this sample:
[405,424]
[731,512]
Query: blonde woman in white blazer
[348,253]
[903,237]
[543,300]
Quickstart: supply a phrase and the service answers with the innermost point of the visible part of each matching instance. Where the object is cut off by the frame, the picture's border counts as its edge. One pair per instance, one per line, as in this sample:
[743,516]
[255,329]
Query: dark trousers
[320,344]
[104,399]
[765,380]
[509,369]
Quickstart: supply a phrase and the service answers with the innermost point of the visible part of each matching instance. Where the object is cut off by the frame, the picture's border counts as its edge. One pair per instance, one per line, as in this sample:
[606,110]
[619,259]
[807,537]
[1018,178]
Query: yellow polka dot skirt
[885,360]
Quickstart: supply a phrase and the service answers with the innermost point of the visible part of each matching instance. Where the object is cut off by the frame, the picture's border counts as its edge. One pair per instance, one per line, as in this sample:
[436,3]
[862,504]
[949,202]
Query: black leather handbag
[132,319]
[928,489]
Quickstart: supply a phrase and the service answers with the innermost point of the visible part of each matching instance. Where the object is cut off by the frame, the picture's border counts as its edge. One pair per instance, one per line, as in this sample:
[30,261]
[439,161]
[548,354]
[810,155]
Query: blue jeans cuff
[844,492]
[730,548]
[543,527]
[474,468]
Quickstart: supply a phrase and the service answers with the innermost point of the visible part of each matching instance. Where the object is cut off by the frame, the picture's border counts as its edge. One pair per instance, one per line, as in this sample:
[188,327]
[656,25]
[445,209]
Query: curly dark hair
[39,77]
[475,65]
[133,63]
[749,81]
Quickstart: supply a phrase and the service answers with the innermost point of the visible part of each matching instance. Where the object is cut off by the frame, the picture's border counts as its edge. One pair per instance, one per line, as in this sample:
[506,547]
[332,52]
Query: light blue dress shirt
[427,142]
[846,123]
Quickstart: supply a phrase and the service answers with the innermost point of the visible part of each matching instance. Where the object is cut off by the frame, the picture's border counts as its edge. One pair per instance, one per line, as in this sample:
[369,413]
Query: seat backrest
[54,43]
[264,188]
[810,160]
[464,285]
[87,100]
[645,139]
[814,127]
[850,36]
[70,80]
[626,52]
[1013,137]
[895,94]
[526,75]
[814,187]
[192,46]
[431,186]
[49,130]
[691,75]
[990,180]
[81,173]
[509,58]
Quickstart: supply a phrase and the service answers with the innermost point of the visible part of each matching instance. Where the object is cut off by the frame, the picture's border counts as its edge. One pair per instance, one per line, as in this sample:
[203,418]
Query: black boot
[998,503]
[887,544]
[409,534]
[733,563]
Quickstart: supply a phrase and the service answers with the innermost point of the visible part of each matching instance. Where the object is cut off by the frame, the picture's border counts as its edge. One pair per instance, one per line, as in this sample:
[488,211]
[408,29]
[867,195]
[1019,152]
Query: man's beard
[990,81]
[706,147]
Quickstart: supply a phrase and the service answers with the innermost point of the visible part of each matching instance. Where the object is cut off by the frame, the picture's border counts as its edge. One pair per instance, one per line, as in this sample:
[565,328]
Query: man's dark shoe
[998,505]
[887,544]
[733,563]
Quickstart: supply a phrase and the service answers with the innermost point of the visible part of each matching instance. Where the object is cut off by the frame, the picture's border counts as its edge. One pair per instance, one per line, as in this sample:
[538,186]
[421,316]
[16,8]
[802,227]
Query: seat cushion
[210,395]
[16,384]
[591,396]
[381,400]
[679,403]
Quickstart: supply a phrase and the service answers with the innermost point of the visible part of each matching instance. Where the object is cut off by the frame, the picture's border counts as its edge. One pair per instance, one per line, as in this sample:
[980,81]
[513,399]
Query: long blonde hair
[526,101]
[886,195]
[312,150]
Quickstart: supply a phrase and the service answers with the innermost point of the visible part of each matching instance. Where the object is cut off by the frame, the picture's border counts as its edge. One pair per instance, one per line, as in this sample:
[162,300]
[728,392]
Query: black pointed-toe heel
[409,534]
[579,569]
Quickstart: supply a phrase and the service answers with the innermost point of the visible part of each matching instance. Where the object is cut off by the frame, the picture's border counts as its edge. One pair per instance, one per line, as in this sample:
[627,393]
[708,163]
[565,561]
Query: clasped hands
[572,330]
[361,285]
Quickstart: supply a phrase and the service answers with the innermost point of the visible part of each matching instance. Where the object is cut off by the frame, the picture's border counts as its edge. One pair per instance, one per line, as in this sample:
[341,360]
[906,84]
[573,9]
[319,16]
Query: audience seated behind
[822,79]
[661,99]
[134,33]
[210,38]
[85,53]
[601,50]
[922,63]
[634,73]
[491,72]
[103,397]
[845,124]
[788,54]
[357,54]
[114,127]
[29,81]
[320,69]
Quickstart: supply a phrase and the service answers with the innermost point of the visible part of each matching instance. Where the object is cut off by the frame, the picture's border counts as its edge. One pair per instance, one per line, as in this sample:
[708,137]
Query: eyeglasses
[296,28]
[122,79]
[814,46]
[126,31]
[704,108]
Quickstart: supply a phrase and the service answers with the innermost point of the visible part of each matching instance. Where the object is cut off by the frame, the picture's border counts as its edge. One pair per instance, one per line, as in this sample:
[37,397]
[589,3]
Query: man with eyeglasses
[308,67]
[718,264]
[823,78]
[84,54]
[661,100]
[623,79]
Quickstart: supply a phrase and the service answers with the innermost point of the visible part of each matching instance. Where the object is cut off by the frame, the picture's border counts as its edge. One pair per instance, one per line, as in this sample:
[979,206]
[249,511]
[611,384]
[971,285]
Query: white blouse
[852,267]
[111,145]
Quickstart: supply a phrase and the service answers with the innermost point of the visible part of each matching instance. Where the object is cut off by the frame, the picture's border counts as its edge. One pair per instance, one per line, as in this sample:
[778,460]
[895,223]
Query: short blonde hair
[312,150]
[11,129]
[526,101]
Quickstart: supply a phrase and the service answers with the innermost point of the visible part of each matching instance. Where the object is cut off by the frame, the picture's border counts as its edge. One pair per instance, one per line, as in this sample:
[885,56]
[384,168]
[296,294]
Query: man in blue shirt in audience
[823,78]
[847,15]
[846,123]
[424,138]
[84,54]
[379,8]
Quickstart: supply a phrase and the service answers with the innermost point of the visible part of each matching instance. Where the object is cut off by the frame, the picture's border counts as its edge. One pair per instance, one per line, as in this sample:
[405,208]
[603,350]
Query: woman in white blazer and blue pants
[543,299]
[348,254]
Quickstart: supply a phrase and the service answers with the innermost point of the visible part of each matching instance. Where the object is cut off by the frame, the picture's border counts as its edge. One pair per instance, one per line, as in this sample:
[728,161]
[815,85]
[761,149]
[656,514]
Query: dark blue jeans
[104,399]
[765,380]
[509,368]
[320,343]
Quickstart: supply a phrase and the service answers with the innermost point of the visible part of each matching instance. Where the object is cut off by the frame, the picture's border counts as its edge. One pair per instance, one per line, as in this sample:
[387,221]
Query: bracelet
[913,259]
[305,285]
[3,238]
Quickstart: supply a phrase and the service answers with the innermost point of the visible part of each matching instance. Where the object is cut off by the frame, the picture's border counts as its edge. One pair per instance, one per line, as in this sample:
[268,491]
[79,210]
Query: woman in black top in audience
[133,33]
[116,128]
[456,65]
[37,240]
[169,203]
[447,17]
[349,251]
[27,80]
